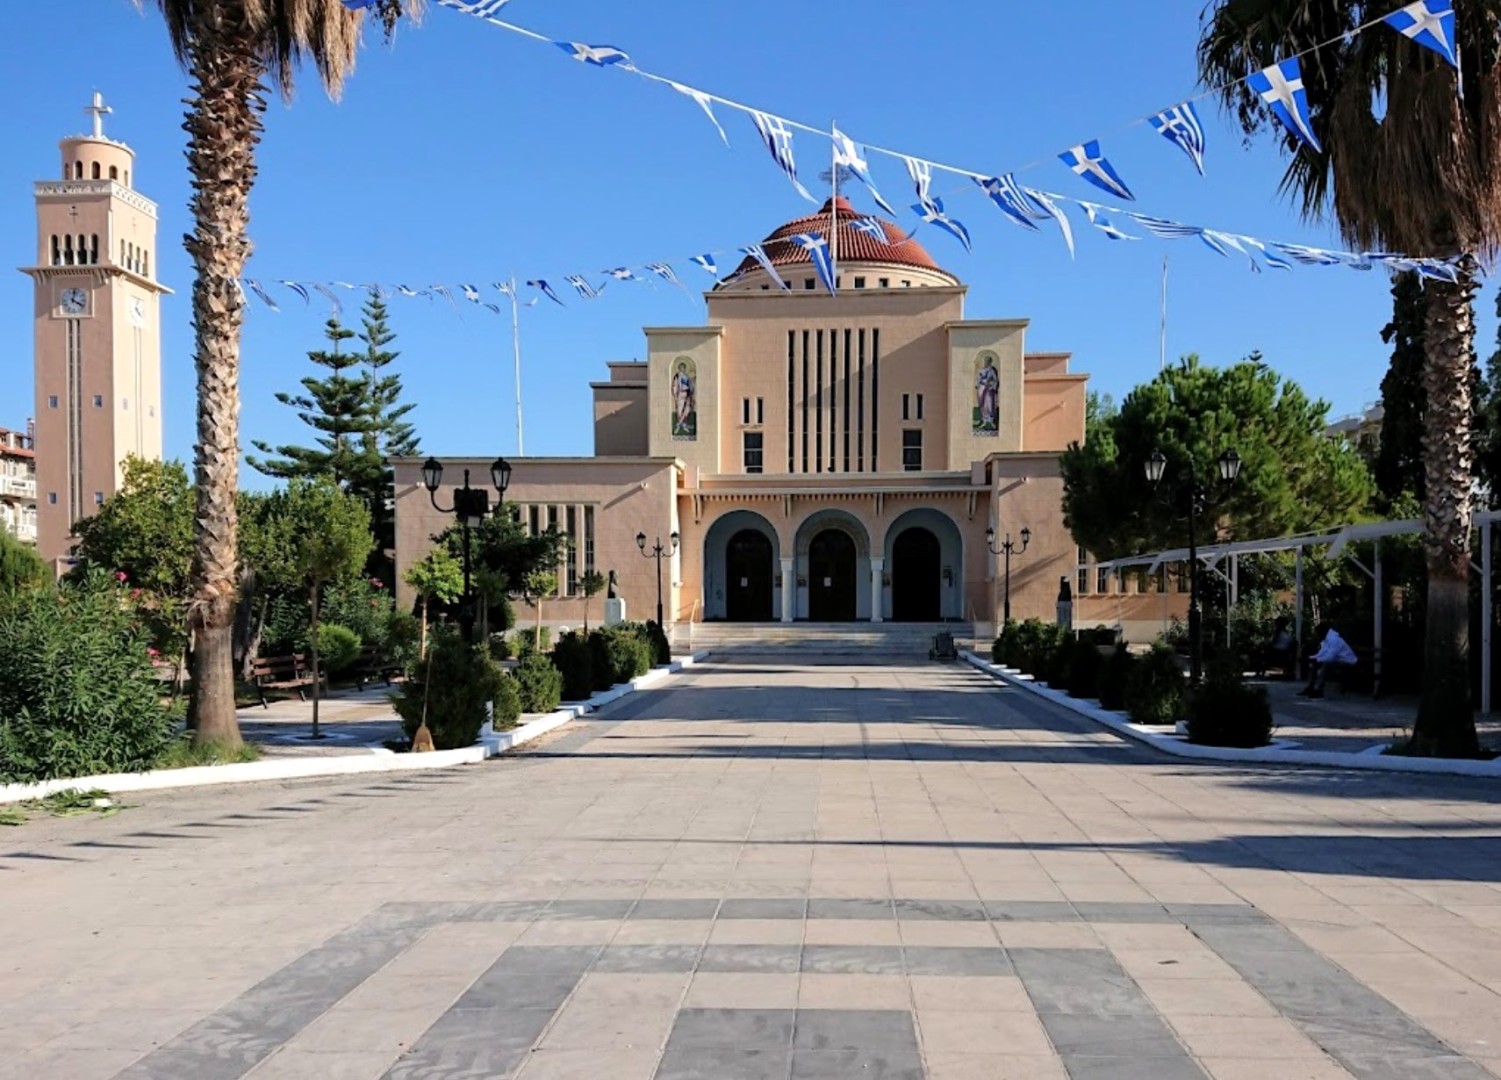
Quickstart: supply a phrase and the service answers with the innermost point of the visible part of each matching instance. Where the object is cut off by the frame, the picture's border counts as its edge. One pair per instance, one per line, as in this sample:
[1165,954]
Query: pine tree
[387,434]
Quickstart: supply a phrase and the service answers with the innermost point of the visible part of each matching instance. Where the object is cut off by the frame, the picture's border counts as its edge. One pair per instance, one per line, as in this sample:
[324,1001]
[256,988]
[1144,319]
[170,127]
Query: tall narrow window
[78,170]
[573,551]
[906,406]
[760,410]
[94,172]
[846,424]
[912,450]
[919,406]
[57,250]
[807,343]
[752,450]
[875,399]
[94,248]
[145,263]
[114,172]
[818,406]
[791,406]
[534,520]
[860,405]
[588,539]
[68,249]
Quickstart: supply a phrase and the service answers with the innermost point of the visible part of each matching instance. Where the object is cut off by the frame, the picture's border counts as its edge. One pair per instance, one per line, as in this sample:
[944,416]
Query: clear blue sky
[466,153]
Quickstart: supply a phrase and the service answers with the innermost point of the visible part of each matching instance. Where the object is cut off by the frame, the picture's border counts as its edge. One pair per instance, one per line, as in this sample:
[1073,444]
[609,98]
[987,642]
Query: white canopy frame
[1337,541]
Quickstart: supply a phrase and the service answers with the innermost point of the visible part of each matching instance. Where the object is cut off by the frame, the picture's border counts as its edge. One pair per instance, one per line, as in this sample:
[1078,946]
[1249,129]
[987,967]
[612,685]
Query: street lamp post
[656,551]
[1198,499]
[1008,546]
[471,506]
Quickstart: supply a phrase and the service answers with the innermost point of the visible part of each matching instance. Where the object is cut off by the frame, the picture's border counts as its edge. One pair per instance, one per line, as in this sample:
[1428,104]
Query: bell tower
[97,331]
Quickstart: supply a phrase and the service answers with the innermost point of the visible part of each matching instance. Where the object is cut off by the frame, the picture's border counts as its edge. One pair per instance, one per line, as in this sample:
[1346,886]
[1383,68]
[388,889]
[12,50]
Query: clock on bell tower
[97,331]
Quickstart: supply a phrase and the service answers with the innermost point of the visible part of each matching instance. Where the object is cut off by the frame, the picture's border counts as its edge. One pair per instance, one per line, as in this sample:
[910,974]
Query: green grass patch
[73,801]
[182,754]
[10,815]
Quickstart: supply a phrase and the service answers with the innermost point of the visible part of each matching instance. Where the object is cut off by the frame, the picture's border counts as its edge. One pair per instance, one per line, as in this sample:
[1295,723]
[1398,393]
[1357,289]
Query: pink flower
[375,583]
[152,652]
[120,576]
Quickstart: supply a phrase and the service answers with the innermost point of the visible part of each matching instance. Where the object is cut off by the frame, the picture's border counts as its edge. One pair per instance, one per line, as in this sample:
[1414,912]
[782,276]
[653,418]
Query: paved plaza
[770,869]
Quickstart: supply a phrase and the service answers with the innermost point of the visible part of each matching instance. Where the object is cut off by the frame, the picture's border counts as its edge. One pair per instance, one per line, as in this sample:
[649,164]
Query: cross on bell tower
[99,110]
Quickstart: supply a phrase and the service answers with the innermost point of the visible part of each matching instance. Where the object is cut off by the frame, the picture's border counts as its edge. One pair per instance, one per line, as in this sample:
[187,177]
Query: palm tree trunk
[1445,724]
[223,125]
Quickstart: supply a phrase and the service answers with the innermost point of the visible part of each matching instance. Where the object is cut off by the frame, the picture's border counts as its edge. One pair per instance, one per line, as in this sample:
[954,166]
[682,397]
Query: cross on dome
[99,110]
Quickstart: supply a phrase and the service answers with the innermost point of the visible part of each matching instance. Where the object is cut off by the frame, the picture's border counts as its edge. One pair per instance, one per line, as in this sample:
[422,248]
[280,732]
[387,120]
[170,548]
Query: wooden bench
[1360,677]
[280,673]
[372,666]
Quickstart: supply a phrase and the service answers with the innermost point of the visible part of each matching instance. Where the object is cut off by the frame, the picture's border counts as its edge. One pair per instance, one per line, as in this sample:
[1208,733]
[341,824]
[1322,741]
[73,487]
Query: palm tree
[1407,165]
[229,49]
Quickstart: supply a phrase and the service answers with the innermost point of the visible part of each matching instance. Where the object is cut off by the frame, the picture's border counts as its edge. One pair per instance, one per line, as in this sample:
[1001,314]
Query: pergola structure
[1224,561]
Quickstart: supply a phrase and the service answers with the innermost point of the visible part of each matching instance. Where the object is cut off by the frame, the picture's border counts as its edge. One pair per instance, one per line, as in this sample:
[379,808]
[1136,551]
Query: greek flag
[847,154]
[758,252]
[255,287]
[705,103]
[1086,160]
[471,294]
[329,295]
[356,5]
[443,291]
[817,247]
[870,227]
[1309,256]
[622,273]
[1429,23]
[493,307]
[1162,227]
[1434,270]
[921,173]
[706,262]
[299,289]
[1180,126]
[587,291]
[1007,194]
[598,55]
[1281,87]
[481,8]
[505,288]
[1103,223]
[665,272]
[405,291]
[541,285]
[1044,200]
[1272,259]
[1224,243]
[932,214]
[777,136]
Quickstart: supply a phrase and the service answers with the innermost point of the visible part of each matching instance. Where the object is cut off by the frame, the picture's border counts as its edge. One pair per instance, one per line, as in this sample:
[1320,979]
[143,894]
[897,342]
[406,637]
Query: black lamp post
[1198,499]
[656,551]
[1007,547]
[470,506]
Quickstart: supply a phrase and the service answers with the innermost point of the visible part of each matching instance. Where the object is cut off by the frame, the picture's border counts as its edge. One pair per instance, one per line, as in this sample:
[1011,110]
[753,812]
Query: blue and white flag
[505,288]
[377,290]
[332,298]
[471,294]
[921,173]
[1044,200]
[932,213]
[1162,227]
[758,252]
[493,307]
[584,289]
[706,262]
[348,285]
[665,272]
[847,154]
[443,291]
[777,136]
[1098,219]
[299,289]
[1309,256]
[1281,87]
[1007,194]
[483,9]
[1437,270]
[817,247]
[255,287]
[705,102]
[598,55]
[541,285]
[1429,23]
[1086,160]
[622,273]
[1223,243]
[1180,126]
[406,291]
[1272,259]
[871,227]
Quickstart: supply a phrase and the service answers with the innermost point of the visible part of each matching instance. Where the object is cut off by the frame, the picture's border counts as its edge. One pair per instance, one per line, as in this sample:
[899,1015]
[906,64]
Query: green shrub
[507,702]
[403,635]
[1004,649]
[646,658]
[1155,691]
[527,641]
[624,653]
[77,691]
[1115,676]
[575,659]
[1055,659]
[1224,711]
[21,568]
[338,647]
[540,684]
[500,647]
[1085,663]
[455,681]
[661,648]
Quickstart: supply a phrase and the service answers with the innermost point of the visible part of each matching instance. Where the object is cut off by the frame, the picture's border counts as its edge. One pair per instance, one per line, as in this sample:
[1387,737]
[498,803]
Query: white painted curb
[1279,753]
[490,744]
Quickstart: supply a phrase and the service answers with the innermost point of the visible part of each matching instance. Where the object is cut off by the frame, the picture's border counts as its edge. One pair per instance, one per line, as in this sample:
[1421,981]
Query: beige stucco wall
[621,418]
[1005,339]
[1028,491]
[1053,410]
[701,345]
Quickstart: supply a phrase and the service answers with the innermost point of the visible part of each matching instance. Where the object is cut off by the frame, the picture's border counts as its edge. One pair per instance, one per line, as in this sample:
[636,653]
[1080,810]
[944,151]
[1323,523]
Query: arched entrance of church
[831,577]
[748,563]
[916,576]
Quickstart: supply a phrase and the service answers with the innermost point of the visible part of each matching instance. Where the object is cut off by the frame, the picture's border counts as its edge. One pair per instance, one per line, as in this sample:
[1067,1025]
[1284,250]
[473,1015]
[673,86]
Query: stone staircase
[886,640]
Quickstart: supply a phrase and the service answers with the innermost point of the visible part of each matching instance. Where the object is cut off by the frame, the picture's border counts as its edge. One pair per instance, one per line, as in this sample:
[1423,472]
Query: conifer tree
[334,406]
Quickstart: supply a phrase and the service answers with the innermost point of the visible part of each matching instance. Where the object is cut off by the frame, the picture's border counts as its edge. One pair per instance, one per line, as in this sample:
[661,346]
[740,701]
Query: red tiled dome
[854,245]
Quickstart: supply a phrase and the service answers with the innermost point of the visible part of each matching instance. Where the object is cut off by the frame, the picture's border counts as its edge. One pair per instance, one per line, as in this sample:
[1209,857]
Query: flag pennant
[493,307]
[705,102]
[1429,23]
[847,154]
[1272,259]
[706,262]
[871,227]
[471,294]
[597,55]
[1042,199]
[1161,227]
[541,285]
[406,291]
[817,247]
[347,285]
[1308,256]
[758,252]
[1224,243]
[299,289]
[1104,224]
[505,288]
[484,9]
[1281,87]
[443,291]
[255,287]
[1086,160]
[622,273]
[665,272]
[329,295]
[1180,126]
[777,136]
[921,173]
[1007,194]
[1434,270]
[933,214]
[584,289]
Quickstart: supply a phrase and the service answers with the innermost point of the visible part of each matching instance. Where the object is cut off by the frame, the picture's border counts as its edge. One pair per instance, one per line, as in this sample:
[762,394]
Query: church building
[856,457]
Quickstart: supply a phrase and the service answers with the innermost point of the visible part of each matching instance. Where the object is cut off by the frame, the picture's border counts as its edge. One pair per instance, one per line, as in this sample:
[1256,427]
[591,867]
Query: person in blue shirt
[1334,651]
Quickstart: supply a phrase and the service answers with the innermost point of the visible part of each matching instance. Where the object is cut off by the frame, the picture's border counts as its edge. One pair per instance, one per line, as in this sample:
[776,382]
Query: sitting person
[1333,652]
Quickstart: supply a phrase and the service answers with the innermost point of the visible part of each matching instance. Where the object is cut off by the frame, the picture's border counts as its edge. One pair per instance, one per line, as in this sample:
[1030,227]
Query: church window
[745,410]
[572,577]
[846,424]
[875,397]
[885,282]
[588,539]
[51,498]
[145,263]
[805,399]
[906,406]
[98,401]
[859,283]
[753,444]
[919,406]
[77,170]
[760,410]
[51,401]
[68,249]
[818,406]
[83,250]
[94,248]
[912,450]
[57,251]
[94,171]
[791,372]
[114,172]
[807,283]
[534,519]
[98,498]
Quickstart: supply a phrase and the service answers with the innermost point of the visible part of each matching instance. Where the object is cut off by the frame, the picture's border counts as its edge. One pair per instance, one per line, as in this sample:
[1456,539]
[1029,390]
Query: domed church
[821,458]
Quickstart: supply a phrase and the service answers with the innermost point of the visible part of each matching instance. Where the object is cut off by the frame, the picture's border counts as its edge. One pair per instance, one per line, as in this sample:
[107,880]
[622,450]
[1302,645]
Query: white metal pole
[833,201]
[1485,618]
[516,347]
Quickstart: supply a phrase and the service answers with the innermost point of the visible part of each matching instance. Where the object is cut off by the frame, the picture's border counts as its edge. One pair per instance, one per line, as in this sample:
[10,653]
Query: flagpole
[1162,328]
[833,204]
[516,346]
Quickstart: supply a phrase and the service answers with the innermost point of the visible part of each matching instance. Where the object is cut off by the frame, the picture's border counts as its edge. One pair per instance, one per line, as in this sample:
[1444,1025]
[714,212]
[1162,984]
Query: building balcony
[18,487]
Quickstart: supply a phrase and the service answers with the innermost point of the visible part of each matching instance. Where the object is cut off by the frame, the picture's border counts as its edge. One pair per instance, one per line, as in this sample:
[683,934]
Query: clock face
[74,301]
[137,311]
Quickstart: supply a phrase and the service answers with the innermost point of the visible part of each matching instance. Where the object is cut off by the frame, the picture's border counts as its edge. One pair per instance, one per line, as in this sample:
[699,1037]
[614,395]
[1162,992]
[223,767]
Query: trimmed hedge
[540,684]
[1224,711]
[507,702]
[1115,676]
[573,657]
[452,683]
[1156,689]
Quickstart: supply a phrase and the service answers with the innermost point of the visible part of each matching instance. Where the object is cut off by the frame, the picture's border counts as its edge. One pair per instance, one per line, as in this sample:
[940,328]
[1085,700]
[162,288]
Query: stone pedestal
[789,591]
[615,611]
[877,589]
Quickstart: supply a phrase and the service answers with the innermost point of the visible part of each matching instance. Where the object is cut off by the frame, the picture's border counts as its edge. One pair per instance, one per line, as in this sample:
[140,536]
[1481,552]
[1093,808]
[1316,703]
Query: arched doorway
[831,577]
[748,577]
[916,584]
